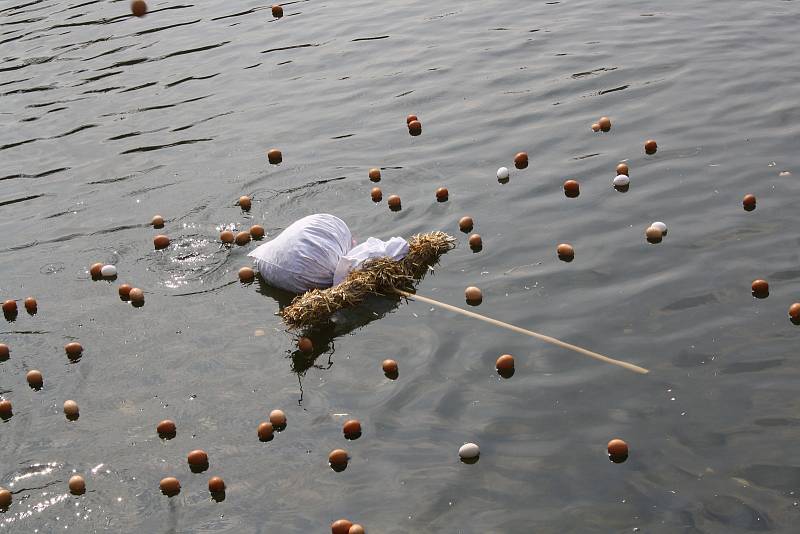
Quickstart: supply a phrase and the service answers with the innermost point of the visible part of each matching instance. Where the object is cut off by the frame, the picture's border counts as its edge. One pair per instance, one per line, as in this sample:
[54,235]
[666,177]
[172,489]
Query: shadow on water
[323,336]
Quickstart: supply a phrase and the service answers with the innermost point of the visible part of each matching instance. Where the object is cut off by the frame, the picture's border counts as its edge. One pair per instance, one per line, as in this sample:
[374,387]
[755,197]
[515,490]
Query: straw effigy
[382,276]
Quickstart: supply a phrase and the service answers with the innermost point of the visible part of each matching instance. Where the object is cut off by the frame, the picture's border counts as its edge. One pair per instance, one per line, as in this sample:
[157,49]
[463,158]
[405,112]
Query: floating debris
[170,486]
[565,252]
[473,295]
[617,450]
[77,485]
[160,241]
[760,289]
[469,451]
[139,8]
[35,379]
[476,242]
[572,188]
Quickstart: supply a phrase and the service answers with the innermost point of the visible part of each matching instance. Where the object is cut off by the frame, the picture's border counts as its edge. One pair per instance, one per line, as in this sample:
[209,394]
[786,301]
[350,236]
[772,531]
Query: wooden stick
[542,337]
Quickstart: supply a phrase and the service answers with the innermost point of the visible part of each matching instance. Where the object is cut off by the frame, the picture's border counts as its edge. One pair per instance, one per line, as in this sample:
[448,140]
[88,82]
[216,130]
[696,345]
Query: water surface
[109,119]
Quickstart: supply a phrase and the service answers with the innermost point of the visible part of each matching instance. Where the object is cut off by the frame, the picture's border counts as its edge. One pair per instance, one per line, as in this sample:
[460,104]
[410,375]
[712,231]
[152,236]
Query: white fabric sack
[314,250]
[396,248]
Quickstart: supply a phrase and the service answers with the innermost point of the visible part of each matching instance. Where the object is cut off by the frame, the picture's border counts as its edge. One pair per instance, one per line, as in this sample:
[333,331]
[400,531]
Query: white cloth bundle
[317,252]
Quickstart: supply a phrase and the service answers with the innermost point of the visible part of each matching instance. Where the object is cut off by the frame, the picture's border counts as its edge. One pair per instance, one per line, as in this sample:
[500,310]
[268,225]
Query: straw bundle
[377,276]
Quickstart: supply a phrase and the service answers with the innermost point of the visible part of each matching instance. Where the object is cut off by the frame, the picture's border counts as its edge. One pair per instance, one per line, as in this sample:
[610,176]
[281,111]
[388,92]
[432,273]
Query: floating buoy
[257,231]
[242,238]
[394,203]
[341,526]
[376,194]
[503,174]
[617,450]
[265,431]
[661,226]
[278,419]
[650,146]
[157,221]
[109,271]
[160,241]
[246,275]
[10,307]
[356,529]
[71,409]
[305,345]
[442,194]
[31,306]
[476,242]
[572,188]
[124,291]
[794,311]
[469,451]
[6,409]
[216,485]
[34,378]
[245,203]
[653,235]
[95,270]
[749,202]
[338,458]
[505,364]
[73,349]
[274,156]
[375,175]
[197,458]
[604,123]
[226,236]
[622,168]
[166,429]
[411,118]
[136,296]
[77,485]
[5,498]
[760,289]
[277,11]
[390,368]
[521,160]
[565,252]
[5,351]
[595,127]
[473,295]
[415,127]
[352,429]
[170,486]
[139,8]
[465,224]
[621,180]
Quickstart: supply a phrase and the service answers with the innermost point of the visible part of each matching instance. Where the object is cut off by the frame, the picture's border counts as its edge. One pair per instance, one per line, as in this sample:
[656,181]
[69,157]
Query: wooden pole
[542,337]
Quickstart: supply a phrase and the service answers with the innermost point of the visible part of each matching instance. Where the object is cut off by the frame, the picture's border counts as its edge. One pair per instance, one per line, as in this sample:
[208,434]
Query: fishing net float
[373,268]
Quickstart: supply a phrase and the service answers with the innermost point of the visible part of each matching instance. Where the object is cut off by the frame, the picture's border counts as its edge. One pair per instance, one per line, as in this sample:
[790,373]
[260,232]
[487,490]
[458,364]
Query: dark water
[108,120]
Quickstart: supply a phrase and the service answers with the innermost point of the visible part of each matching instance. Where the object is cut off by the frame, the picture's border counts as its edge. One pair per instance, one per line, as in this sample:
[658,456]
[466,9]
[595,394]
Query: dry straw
[392,278]
[381,276]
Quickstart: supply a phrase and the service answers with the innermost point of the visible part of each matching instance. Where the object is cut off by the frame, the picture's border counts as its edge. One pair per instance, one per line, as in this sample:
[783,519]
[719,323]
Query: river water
[108,119]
